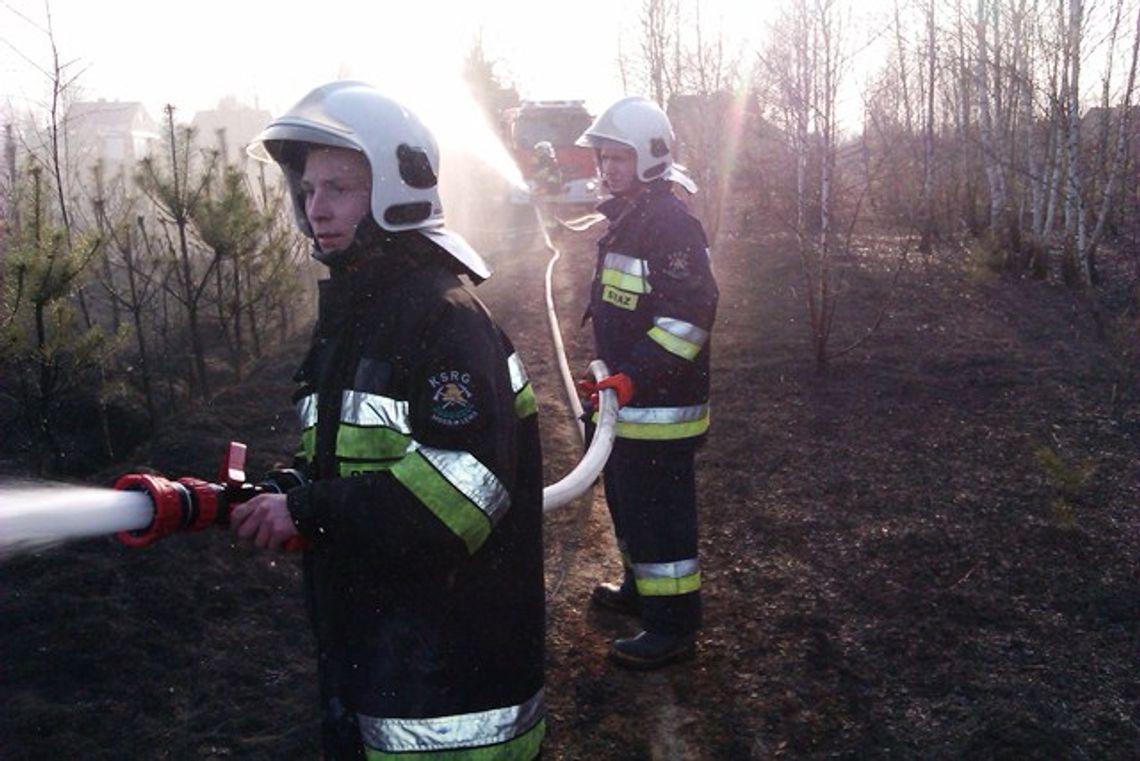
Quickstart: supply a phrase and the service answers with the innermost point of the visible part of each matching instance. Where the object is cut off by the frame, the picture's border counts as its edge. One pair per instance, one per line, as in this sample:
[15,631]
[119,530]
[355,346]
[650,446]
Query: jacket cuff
[303,510]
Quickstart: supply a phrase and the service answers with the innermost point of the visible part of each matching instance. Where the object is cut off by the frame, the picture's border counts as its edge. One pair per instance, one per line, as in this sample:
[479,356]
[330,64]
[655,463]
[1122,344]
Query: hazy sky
[274,52]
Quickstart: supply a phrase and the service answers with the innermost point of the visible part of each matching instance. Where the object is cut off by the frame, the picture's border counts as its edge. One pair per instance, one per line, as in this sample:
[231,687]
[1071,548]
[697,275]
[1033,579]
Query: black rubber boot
[649,650]
[616,597]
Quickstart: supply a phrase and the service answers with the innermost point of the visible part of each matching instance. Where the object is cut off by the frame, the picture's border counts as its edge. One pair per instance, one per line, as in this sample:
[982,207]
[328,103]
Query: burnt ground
[930,552]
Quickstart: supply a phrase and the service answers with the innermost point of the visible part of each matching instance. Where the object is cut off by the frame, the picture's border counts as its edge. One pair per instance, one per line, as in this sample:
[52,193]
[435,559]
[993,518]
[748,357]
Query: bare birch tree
[1119,152]
[807,66]
[1075,231]
[989,113]
[708,115]
[659,41]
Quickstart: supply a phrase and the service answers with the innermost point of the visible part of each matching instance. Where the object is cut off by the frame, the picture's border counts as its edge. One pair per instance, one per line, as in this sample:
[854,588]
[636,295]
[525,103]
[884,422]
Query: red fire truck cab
[558,122]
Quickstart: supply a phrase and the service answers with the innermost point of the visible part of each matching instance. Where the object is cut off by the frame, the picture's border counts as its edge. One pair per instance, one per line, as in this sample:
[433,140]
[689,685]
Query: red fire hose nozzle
[188,504]
[191,504]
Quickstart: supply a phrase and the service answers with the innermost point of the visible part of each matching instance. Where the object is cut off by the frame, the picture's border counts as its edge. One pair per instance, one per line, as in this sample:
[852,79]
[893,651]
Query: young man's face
[337,183]
[619,168]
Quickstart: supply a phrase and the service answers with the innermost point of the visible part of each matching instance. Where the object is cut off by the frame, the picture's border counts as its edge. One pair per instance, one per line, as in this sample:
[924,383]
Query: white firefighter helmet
[640,124]
[401,151]
[544,148]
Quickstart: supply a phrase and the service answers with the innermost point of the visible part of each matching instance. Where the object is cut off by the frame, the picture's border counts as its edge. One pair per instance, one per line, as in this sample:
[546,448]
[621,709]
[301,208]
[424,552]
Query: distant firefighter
[547,173]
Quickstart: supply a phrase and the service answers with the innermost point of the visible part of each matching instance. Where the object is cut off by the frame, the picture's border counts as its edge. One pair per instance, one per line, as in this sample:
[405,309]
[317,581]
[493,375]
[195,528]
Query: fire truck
[559,123]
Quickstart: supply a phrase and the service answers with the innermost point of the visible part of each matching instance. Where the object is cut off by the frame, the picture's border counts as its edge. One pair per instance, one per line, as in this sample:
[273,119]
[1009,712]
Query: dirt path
[579,542]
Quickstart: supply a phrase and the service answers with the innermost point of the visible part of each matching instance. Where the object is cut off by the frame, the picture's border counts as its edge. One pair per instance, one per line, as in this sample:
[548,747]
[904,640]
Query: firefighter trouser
[340,734]
[651,493]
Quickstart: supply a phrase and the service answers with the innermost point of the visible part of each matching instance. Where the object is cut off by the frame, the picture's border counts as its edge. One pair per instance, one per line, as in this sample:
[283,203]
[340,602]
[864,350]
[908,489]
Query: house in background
[230,127]
[116,133]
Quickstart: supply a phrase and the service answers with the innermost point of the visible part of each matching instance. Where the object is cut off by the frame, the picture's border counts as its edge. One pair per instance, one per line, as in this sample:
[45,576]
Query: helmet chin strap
[368,238]
[635,189]
[372,240]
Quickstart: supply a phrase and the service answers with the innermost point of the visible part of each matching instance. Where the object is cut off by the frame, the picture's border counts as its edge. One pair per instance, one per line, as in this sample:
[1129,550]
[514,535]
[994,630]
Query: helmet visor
[271,142]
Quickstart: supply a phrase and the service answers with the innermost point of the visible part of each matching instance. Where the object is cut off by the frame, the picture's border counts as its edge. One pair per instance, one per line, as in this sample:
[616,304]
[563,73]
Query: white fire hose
[586,472]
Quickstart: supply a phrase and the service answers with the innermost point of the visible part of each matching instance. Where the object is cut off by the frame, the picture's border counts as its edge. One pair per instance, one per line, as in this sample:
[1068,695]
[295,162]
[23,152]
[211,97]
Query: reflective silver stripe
[663,415]
[626,264]
[472,478]
[686,331]
[362,408]
[466,730]
[675,570]
[519,377]
[307,411]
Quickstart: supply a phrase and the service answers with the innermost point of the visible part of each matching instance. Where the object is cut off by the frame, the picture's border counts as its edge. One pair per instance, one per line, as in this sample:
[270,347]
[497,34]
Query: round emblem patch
[677,265]
[452,399]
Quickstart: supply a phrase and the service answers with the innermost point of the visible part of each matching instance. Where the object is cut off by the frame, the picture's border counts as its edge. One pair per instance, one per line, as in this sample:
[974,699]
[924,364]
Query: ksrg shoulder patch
[453,399]
[677,265]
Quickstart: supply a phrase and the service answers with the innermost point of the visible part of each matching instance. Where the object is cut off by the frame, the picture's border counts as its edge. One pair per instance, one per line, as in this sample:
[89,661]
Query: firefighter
[547,172]
[422,516]
[652,302]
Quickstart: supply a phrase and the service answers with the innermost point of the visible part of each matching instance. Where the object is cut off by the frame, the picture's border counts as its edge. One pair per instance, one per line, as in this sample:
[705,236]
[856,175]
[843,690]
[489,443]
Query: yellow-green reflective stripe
[463,518]
[309,443]
[626,272]
[674,345]
[458,489]
[668,587]
[624,282]
[665,579]
[370,443]
[679,337]
[659,431]
[347,468]
[373,427]
[525,402]
[499,733]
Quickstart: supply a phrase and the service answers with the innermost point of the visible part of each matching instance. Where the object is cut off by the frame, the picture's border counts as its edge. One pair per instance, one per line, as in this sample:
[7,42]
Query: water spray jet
[141,508]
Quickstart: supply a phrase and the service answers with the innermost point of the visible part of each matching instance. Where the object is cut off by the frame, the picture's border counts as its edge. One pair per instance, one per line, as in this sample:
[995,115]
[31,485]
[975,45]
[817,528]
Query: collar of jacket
[619,206]
[351,286]
[376,269]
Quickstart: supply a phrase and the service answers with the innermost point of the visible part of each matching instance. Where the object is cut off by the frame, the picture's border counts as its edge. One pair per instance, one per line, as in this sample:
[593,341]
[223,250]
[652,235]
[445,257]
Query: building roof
[111,116]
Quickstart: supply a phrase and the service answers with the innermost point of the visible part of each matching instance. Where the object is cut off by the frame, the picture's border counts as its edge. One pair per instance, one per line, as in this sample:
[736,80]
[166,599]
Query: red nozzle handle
[244,492]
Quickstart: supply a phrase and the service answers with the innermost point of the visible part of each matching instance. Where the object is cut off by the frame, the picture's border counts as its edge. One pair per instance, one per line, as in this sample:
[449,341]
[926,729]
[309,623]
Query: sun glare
[268,57]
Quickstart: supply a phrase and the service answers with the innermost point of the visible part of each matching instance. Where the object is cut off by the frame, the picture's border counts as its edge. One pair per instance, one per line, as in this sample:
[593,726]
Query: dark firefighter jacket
[423,515]
[653,302]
